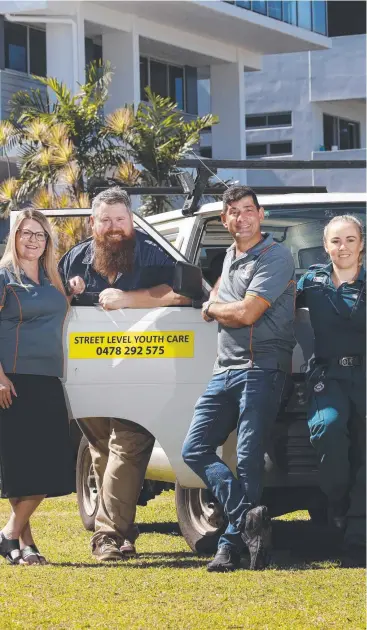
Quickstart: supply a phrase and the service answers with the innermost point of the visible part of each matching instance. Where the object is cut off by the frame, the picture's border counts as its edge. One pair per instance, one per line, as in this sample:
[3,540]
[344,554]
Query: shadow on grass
[159,528]
[297,546]
[169,560]
[302,545]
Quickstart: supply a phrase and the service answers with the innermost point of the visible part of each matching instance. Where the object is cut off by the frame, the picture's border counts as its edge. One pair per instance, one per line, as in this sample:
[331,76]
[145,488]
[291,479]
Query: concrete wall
[287,83]
[339,73]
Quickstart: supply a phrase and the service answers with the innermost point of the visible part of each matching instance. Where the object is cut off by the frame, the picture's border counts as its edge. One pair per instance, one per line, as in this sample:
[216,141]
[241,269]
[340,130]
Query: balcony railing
[308,14]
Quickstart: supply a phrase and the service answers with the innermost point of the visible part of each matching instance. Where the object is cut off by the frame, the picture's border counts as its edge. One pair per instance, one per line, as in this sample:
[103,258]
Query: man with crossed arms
[253,303]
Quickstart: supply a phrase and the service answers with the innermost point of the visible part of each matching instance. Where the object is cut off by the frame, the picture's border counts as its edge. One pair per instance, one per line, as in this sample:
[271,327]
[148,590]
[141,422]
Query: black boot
[256,534]
[225,560]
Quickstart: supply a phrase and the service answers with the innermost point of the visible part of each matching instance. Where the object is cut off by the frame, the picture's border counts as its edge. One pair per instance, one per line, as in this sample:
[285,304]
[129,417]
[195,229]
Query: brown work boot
[106,549]
[128,549]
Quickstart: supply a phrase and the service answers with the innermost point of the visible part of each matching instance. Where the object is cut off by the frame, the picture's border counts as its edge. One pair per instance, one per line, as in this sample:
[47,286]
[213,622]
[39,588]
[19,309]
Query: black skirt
[36,455]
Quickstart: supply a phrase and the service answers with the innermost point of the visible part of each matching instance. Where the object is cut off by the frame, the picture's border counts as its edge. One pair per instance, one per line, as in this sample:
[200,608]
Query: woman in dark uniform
[335,295]
[35,449]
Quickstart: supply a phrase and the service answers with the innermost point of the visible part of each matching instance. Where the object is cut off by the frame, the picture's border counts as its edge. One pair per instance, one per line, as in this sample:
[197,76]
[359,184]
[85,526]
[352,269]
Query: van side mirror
[187,280]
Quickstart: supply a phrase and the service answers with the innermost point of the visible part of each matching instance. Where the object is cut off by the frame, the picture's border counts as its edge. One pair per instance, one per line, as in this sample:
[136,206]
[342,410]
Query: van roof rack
[206,167]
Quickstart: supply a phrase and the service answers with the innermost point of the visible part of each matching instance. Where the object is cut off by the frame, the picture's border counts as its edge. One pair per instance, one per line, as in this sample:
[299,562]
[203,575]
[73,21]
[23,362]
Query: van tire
[200,517]
[85,486]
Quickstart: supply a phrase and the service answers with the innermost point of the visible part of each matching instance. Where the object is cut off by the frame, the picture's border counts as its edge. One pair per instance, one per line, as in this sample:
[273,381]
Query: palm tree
[66,149]
[157,136]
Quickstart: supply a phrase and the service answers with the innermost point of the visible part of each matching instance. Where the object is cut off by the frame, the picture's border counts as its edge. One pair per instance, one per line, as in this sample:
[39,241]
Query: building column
[61,54]
[122,50]
[227,89]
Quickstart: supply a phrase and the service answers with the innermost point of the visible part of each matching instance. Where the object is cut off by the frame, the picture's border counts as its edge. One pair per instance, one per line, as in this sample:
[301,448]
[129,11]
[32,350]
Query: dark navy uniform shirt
[31,325]
[152,266]
[338,315]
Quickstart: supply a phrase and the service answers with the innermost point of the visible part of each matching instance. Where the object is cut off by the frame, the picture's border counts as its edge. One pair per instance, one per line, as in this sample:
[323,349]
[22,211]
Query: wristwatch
[206,309]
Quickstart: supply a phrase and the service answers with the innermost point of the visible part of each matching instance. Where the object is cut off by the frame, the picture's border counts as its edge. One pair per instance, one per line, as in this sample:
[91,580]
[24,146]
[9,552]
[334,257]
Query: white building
[312,106]
[164,44]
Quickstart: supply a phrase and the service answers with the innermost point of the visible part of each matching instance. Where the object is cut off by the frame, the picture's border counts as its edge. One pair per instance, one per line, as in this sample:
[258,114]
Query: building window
[290,12]
[176,85]
[159,78]
[277,119]
[177,82]
[341,133]
[25,49]
[275,9]
[259,6]
[16,47]
[93,51]
[319,17]
[206,152]
[309,14]
[259,150]
[305,14]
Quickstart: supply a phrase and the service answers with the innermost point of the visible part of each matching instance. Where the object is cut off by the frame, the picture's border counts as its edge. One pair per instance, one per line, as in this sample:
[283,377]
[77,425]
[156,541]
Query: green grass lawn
[167,587]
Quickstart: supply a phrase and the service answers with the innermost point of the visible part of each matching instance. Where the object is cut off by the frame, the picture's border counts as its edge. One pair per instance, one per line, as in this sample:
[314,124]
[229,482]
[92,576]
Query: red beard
[111,256]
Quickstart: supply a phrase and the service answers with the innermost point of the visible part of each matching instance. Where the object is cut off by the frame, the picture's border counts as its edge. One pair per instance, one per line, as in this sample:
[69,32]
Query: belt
[352,361]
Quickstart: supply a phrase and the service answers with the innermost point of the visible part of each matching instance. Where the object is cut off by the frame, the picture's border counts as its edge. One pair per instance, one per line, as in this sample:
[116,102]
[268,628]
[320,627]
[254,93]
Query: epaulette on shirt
[319,273]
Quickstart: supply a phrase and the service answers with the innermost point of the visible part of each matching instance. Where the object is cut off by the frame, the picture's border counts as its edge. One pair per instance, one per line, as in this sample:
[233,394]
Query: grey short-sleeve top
[31,325]
[267,272]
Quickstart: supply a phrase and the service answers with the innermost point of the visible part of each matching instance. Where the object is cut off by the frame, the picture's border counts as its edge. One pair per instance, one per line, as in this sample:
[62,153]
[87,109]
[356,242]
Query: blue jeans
[246,399]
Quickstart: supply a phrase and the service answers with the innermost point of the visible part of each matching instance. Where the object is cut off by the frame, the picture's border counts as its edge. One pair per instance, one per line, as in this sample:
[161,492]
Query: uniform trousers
[337,422]
[120,452]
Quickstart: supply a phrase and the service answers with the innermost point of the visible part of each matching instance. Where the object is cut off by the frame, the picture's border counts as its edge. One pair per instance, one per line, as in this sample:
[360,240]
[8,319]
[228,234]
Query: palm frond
[127,174]
[43,199]
[120,122]
[36,131]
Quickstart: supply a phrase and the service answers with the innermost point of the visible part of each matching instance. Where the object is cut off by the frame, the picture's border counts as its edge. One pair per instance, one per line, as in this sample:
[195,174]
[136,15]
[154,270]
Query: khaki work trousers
[120,452]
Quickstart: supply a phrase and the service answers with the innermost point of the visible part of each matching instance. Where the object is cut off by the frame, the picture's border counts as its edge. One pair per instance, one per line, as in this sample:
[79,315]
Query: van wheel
[86,488]
[200,517]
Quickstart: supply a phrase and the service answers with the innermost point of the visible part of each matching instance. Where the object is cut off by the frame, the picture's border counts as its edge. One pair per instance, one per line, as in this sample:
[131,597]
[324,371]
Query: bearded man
[128,270]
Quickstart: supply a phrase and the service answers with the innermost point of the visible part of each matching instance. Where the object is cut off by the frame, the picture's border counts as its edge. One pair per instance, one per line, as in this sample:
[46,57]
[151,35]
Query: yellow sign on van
[173,344]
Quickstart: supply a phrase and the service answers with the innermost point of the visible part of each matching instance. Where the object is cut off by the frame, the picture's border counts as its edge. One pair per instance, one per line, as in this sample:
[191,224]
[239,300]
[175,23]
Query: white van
[150,366]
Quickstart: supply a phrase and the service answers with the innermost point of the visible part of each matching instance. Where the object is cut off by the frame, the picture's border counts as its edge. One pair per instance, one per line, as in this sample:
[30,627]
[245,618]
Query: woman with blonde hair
[35,448]
[335,295]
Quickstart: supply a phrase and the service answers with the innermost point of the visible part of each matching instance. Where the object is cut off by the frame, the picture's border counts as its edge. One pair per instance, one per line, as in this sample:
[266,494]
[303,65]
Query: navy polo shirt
[338,315]
[152,266]
[31,325]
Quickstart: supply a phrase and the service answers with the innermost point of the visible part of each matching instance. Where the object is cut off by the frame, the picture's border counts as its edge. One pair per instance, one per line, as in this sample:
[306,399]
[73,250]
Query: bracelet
[206,310]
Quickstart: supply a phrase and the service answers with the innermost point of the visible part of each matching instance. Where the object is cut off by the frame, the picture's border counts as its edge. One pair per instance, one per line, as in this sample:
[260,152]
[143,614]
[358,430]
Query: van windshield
[299,228]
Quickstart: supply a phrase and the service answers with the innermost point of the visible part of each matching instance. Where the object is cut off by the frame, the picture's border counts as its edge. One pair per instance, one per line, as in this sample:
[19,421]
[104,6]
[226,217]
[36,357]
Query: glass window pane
[158,78]
[290,12]
[144,80]
[319,16]
[255,121]
[329,139]
[275,9]
[255,150]
[37,52]
[344,134]
[243,4]
[275,120]
[280,148]
[176,85]
[304,14]
[16,47]
[259,6]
